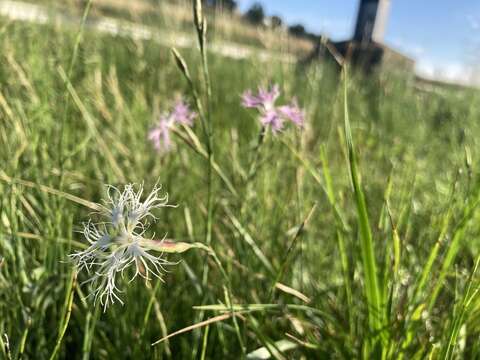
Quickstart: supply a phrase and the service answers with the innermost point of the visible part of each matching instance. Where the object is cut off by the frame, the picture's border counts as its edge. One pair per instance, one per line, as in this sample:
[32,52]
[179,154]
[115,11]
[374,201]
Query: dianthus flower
[118,242]
[271,115]
[159,135]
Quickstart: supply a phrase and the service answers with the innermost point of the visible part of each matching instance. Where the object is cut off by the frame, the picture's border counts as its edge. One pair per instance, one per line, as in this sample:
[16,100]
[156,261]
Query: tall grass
[356,238]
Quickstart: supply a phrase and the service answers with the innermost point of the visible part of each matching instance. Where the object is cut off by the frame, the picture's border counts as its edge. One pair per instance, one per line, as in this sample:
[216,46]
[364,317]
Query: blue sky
[442,35]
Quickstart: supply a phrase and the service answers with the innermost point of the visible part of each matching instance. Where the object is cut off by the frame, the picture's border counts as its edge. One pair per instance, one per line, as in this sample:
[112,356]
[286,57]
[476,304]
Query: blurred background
[441,36]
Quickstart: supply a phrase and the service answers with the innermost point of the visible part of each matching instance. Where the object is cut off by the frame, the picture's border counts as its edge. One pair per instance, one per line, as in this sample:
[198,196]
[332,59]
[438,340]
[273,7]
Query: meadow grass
[356,237]
[176,16]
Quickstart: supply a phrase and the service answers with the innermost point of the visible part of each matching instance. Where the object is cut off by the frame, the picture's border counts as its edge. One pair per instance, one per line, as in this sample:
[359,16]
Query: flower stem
[256,154]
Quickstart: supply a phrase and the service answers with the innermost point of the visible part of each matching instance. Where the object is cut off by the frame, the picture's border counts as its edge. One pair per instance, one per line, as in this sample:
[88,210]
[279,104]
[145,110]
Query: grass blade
[66,314]
[249,240]
[195,326]
[459,316]
[372,291]
[49,190]
[340,238]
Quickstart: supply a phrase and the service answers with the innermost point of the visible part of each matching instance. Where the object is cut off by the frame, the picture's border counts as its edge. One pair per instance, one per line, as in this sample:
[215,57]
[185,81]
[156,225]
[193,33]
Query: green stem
[66,315]
[256,155]
[372,291]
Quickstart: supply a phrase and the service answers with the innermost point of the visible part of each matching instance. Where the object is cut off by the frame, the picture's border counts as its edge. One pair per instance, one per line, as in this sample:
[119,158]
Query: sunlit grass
[356,237]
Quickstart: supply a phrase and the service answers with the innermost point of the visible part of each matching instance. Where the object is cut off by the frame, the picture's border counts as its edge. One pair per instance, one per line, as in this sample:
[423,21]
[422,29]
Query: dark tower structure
[366,49]
[371,21]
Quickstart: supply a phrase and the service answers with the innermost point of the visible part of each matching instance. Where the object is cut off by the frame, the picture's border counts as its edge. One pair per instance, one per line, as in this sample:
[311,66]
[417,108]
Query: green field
[355,237]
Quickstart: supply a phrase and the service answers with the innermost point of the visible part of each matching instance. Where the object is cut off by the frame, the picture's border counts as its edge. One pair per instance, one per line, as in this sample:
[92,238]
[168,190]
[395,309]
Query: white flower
[116,243]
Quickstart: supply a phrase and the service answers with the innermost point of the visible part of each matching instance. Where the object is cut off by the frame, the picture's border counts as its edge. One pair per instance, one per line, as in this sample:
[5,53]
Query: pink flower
[264,99]
[293,113]
[273,116]
[159,135]
[271,119]
[182,114]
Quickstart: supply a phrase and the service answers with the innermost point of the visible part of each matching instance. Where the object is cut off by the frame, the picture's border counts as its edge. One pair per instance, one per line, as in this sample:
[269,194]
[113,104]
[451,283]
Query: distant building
[371,21]
[366,49]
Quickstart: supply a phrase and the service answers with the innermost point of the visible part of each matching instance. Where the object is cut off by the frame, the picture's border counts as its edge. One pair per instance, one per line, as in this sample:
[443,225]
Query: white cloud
[455,72]
[436,69]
